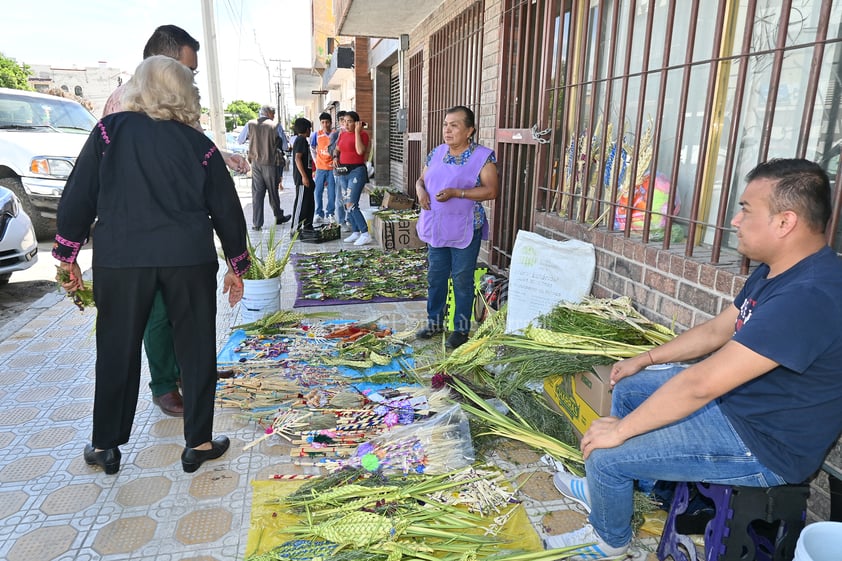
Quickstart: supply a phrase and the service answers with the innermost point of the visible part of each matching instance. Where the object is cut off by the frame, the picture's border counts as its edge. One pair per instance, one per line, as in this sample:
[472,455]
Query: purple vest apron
[451,223]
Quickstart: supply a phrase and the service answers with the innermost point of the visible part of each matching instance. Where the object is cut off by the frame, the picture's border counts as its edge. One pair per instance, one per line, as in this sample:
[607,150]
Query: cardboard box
[594,388]
[396,234]
[397,201]
[581,397]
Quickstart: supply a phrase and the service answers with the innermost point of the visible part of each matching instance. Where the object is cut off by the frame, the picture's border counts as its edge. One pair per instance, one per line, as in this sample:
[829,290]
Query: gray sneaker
[593,547]
[572,487]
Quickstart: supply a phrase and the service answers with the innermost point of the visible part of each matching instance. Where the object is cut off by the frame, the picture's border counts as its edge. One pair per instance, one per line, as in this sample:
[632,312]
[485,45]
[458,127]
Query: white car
[18,246]
[40,137]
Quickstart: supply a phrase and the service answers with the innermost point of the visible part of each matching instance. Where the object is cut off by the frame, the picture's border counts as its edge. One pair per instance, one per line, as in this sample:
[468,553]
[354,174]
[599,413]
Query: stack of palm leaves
[570,338]
[401,518]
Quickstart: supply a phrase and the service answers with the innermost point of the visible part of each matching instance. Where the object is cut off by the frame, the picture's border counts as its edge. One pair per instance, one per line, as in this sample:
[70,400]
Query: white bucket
[368,214]
[820,541]
[260,297]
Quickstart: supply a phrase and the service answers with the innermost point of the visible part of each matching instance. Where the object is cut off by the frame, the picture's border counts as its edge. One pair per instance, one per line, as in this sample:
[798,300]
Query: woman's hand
[446,194]
[233,286]
[75,283]
[423,198]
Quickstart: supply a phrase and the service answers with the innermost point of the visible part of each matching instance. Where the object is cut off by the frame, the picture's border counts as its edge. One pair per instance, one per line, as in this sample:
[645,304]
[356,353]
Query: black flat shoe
[191,458]
[109,460]
[456,340]
[284,218]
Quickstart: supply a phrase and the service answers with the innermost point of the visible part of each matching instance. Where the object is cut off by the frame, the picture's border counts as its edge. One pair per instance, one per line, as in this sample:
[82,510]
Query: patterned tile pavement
[55,507]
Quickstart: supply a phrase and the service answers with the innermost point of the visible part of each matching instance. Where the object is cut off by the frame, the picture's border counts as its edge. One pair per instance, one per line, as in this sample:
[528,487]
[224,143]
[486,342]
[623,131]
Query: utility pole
[282,100]
[217,117]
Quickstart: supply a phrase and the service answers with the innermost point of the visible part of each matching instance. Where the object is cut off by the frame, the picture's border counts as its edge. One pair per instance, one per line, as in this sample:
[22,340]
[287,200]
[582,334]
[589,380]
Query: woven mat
[360,277]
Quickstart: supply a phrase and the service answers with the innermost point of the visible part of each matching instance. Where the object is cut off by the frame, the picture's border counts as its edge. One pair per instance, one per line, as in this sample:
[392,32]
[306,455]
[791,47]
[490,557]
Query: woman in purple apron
[459,175]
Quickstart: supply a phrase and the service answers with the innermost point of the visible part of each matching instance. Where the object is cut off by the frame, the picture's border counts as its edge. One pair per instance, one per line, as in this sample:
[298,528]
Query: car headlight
[59,168]
[11,206]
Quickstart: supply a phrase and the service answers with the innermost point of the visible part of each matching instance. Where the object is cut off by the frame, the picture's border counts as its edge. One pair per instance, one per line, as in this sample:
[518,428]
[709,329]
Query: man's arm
[232,160]
[359,145]
[726,369]
[244,134]
[284,140]
[692,344]
[312,144]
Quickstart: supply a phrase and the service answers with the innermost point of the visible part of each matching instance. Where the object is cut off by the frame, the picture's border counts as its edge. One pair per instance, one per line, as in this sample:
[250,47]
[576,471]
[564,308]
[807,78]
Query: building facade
[629,124]
[92,83]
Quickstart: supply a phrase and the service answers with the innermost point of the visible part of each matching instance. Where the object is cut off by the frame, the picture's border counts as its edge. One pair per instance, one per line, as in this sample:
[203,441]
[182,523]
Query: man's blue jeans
[460,264]
[352,189]
[325,177]
[701,447]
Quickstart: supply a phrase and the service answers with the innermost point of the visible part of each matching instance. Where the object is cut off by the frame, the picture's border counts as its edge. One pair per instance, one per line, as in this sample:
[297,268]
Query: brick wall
[364,87]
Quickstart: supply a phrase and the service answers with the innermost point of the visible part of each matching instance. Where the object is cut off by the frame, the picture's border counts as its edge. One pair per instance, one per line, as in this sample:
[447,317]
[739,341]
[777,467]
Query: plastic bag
[436,445]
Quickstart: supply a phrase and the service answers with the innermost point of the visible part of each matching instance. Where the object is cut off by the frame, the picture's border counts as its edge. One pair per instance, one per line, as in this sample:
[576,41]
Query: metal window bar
[736,112]
[395,137]
[414,161]
[455,55]
[522,68]
[577,86]
[416,86]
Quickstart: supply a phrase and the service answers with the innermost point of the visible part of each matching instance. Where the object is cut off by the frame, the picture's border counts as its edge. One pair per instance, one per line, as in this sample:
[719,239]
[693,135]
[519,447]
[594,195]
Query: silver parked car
[18,246]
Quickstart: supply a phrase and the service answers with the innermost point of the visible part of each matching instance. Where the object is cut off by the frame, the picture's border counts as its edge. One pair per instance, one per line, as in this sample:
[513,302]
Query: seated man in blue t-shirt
[762,408]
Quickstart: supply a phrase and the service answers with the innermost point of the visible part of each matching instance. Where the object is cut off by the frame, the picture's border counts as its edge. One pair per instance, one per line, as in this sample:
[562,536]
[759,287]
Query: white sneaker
[352,238]
[595,550]
[364,239]
[574,488]
[318,220]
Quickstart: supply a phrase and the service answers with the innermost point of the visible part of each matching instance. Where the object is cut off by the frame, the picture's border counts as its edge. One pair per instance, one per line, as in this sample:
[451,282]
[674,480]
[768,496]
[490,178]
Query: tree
[240,112]
[14,75]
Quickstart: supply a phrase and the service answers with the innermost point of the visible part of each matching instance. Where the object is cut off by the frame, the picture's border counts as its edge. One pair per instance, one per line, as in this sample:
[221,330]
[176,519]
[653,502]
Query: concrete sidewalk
[55,507]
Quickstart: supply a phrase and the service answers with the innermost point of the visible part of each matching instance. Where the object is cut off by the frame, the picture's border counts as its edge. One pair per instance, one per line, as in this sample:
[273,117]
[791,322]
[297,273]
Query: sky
[251,35]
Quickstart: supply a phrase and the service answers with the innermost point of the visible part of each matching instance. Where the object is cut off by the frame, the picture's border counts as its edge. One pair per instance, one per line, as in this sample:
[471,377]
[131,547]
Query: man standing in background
[264,140]
[165,374]
[319,142]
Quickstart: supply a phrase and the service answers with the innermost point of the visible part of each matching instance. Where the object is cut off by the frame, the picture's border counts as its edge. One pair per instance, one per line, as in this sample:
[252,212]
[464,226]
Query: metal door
[532,64]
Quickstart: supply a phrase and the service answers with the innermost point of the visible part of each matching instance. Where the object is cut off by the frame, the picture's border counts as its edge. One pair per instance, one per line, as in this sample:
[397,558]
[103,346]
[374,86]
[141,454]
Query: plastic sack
[436,445]
[660,203]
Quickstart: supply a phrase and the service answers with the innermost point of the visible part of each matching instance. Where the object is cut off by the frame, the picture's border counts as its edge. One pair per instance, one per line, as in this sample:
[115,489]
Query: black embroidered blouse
[158,190]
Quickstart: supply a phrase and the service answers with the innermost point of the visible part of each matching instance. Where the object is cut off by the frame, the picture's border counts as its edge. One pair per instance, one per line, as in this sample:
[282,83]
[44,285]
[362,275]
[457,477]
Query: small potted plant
[262,282]
[375,196]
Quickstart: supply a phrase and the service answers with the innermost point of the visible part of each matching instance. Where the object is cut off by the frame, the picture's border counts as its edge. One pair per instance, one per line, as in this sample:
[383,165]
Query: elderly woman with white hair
[158,189]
